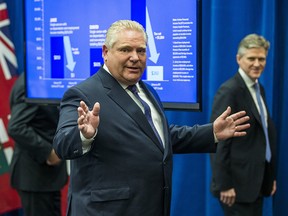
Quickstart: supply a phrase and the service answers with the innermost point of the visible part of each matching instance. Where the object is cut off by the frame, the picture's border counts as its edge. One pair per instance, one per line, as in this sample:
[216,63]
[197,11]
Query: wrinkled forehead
[130,38]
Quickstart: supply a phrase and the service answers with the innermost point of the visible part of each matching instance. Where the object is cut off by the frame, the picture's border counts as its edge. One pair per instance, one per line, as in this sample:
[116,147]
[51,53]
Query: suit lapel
[120,96]
[248,97]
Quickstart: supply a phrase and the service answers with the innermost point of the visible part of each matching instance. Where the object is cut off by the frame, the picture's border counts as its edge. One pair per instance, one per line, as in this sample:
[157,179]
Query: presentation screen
[64,38]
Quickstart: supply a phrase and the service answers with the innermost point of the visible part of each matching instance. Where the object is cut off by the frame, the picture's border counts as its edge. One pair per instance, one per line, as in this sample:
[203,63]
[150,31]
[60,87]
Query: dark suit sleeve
[195,139]
[220,161]
[20,126]
[67,141]
[189,139]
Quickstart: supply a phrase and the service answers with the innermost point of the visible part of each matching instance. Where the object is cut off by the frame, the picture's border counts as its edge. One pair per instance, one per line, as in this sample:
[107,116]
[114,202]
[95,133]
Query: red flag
[8,74]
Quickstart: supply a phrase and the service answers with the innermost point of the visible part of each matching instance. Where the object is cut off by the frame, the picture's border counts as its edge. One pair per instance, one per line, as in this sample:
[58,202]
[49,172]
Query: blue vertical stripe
[57,57]
[138,11]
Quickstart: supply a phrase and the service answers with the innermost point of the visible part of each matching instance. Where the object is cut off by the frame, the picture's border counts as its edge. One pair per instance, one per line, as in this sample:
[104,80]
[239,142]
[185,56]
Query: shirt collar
[124,86]
[249,83]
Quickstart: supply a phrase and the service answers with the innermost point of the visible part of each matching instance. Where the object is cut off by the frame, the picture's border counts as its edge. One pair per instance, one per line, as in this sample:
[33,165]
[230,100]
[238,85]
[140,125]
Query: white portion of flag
[8,152]
[3,133]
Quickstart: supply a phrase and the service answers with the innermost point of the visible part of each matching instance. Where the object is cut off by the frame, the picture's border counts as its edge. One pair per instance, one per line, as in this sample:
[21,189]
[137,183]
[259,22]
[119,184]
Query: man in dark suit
[242,174]
[119,165]
[36,171]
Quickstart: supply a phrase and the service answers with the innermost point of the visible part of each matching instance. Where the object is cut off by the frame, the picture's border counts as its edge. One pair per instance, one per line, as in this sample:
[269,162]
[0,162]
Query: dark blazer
[33,127]
[240,162]
[127,171]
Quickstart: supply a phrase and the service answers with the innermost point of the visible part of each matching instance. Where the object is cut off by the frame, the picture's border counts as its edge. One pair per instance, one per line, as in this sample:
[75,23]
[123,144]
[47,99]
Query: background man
[36,171]
[242,174]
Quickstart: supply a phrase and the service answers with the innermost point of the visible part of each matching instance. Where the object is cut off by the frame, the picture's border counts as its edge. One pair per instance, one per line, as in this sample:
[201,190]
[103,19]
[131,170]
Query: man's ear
[104,52]
[238,58]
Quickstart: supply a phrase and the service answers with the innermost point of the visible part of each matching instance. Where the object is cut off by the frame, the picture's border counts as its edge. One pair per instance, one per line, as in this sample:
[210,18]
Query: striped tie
[147,110]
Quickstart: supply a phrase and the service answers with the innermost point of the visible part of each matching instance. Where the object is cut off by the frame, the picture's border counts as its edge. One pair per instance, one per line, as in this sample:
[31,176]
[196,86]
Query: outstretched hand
[227,126]
[88,121]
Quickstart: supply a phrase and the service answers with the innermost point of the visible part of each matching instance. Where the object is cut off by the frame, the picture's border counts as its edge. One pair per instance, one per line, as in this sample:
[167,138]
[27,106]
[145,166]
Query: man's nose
[256,62]
[134,56]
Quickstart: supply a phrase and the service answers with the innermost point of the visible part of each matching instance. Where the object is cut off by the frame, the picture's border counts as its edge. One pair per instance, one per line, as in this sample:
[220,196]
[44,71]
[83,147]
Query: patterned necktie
[258,96]
[147,110]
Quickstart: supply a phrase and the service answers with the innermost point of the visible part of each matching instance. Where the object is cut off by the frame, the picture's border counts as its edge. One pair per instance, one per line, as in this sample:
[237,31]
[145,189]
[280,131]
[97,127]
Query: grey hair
[121,25]
[253,41]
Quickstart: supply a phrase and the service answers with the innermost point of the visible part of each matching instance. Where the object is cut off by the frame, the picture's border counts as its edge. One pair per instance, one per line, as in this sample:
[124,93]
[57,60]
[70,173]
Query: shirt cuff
[215,138]
[86,143]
